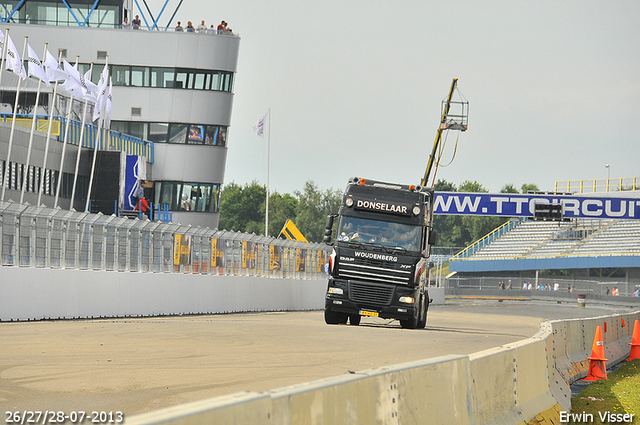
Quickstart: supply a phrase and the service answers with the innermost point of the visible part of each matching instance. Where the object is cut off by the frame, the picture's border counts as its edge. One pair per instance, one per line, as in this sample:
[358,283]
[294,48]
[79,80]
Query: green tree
[509,188]
[281,209]
[242,207]
[529,187]
[313,208]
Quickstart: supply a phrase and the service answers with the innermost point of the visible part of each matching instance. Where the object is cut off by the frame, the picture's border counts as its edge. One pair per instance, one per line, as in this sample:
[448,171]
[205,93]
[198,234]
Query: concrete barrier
[36,294]
[523,382]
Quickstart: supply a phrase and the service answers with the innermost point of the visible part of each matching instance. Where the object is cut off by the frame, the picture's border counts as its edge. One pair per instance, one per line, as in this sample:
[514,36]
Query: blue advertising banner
[134,174]
[516,205]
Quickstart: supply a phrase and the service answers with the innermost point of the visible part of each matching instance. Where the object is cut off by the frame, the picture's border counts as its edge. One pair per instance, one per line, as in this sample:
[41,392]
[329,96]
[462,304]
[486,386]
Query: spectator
[202,27]
[222,28]
[179,27]
[556,286]
[530,286]
[607,290]
[190,27]
[135,24]
[142,205]
[125,24]
[615,291]
[637,293]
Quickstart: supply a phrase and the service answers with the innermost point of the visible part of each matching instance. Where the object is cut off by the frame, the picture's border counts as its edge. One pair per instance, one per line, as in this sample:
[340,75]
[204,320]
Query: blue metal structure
[153,24]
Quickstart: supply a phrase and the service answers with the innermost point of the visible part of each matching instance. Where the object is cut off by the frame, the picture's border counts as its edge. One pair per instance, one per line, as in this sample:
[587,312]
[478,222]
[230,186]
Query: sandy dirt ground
[143,364]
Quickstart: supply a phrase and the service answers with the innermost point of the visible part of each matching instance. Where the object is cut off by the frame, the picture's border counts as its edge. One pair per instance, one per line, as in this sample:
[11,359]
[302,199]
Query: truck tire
[335,318]
[423,316]
[354,319]
[418,322]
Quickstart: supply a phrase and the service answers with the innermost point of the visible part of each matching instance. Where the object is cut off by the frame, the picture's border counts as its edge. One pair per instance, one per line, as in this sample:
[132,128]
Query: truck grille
[370,295]
[374,271]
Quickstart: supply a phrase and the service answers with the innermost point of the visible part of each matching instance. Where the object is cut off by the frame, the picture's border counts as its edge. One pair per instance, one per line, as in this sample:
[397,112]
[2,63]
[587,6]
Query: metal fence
[113,140]
[543,285]
[53,238]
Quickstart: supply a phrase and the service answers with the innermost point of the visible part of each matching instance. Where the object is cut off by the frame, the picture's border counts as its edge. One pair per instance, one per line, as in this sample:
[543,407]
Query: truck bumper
[393,311]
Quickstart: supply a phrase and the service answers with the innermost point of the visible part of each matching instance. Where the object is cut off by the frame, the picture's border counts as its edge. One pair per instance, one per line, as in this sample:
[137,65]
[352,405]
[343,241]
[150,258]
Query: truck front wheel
[419,321]
[335,318]
[354,319]
[423,316]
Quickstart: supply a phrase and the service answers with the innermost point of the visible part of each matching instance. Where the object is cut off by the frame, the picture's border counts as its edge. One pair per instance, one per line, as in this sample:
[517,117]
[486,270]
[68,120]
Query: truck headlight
[337,291]
[407,300]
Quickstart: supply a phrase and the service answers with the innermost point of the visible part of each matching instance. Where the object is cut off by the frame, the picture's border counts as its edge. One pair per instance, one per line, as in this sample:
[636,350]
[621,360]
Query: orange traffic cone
[635,342]
[597,362]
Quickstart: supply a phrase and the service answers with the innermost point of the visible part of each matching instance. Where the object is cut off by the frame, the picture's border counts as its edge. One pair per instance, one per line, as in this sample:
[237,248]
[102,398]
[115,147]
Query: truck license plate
[368,313]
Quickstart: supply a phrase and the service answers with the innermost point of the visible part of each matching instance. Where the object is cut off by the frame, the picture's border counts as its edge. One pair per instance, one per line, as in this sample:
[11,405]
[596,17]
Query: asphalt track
[139,365]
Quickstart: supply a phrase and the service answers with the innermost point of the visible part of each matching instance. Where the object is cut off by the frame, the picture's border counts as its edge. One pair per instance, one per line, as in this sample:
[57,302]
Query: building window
[188,197]
[175,78]
[199,134]
[104,15]
[139,76]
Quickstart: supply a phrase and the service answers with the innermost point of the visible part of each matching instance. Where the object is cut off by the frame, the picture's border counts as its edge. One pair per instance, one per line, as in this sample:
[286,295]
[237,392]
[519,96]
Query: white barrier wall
[514,384]
[34,294]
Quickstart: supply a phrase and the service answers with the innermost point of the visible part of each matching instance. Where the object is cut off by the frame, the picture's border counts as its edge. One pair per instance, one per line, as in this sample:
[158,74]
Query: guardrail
[114,140]
[598,185]
[52,238]
[566,288]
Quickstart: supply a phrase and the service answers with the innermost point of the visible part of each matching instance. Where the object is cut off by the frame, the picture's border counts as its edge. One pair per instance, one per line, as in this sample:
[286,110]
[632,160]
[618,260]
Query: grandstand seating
[582,237]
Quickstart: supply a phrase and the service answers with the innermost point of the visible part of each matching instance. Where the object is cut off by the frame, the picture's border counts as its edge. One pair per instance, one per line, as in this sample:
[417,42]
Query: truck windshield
[395,235]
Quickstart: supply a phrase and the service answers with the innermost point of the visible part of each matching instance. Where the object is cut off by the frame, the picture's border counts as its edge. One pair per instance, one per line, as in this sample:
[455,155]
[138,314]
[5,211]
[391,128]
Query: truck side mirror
[327,229]
[433,236]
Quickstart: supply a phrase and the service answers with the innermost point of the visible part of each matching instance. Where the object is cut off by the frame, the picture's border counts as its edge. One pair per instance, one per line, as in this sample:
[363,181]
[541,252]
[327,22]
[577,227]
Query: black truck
[379,263]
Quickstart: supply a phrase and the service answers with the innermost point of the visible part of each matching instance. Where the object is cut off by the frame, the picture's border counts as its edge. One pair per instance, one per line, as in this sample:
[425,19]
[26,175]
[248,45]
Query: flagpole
[84,120]
[33,129]
[4,53]
[95,150]
[2,60]
[266,224]
[13,123]
[46,148]
[64,147]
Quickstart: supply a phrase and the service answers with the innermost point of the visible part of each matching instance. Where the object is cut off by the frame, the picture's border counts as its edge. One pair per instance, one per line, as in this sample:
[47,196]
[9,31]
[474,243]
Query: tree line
[242,208]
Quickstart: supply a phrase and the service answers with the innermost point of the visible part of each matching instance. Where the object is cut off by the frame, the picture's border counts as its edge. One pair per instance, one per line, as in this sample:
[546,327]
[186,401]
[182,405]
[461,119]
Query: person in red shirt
[143,206]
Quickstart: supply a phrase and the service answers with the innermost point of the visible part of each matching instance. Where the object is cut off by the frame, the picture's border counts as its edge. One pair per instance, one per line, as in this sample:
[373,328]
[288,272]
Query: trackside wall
[36,294]
[517,383]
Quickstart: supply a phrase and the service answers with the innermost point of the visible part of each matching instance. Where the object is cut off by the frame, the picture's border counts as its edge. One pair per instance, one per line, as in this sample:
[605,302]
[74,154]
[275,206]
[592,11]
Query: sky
[355,89]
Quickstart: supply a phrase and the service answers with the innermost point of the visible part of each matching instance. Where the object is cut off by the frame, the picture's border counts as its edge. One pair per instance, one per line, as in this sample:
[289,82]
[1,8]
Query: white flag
[108,106]
[90,88]
[35,67]
[259,126]
[72,80]
[76,84]
[102,93]
[54,73]
[14,63]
